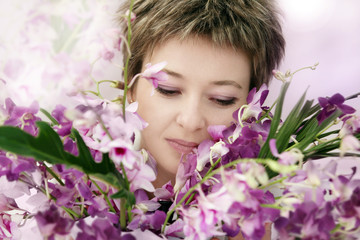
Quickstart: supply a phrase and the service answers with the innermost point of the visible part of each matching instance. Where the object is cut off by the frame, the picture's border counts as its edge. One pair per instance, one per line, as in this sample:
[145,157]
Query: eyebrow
[172,73]
[217,83]
[227,82]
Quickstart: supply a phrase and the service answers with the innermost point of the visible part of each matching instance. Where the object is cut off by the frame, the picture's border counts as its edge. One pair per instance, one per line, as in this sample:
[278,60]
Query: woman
[216,50]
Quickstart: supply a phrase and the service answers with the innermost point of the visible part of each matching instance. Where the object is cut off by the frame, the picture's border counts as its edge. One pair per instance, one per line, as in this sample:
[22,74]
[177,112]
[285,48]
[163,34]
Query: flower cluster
[308,202]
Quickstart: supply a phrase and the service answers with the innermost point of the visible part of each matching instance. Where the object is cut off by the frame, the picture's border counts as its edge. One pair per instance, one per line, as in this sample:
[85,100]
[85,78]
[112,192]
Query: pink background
[328,32]
[324,31]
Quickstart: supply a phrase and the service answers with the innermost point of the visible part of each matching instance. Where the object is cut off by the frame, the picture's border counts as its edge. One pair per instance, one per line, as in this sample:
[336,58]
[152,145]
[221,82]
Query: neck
[163,177]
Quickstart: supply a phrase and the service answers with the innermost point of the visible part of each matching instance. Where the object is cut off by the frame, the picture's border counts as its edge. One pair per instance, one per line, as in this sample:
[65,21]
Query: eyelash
[167,92]
[171,93]
[223,102]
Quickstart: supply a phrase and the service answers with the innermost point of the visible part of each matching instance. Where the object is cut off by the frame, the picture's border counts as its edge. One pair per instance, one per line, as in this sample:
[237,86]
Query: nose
[191,116]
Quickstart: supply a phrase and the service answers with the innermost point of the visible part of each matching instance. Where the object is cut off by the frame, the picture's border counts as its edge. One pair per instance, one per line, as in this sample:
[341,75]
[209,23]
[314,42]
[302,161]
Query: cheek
[151,110]
[218,116]
[223,117]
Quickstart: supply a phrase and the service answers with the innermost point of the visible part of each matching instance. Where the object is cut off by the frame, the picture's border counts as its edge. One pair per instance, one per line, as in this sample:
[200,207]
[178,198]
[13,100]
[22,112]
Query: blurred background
[327,32]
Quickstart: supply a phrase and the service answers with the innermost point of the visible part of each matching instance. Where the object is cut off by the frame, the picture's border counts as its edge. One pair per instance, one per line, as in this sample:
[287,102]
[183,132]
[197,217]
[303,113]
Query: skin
[206,85]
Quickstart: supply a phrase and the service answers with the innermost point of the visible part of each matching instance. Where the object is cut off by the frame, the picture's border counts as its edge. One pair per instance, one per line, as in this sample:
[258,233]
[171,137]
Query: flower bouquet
[78,173]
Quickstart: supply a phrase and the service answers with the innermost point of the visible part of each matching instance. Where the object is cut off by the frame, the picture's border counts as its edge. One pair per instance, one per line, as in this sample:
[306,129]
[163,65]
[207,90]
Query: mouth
[182,146]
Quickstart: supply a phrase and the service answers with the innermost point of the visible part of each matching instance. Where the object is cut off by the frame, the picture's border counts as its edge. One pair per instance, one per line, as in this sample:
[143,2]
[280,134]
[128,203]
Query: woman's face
[206,85]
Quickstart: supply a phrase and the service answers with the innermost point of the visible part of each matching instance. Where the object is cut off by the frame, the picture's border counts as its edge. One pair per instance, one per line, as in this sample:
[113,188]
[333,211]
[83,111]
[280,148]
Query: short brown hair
[250,25]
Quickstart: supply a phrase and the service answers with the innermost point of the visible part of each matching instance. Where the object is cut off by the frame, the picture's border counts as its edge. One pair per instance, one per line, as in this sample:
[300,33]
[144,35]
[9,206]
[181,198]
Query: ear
[131,95]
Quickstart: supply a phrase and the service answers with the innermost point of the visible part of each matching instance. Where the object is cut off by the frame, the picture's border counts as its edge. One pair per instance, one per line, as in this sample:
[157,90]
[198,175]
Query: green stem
[92,92]
[274,182]
[210,170]
[123,213]
[48,115]
[313,67]
[109,81]
[129,33]
[271,206]
[125,176]
[52,173]
[129,214]
[105,196]
[267,112]
[72,36]
[72,213]
[82,207]
[98,90]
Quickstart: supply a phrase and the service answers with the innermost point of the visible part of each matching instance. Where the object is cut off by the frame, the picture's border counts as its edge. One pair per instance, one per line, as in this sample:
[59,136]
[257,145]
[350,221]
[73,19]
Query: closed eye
[167,91]
[224,102]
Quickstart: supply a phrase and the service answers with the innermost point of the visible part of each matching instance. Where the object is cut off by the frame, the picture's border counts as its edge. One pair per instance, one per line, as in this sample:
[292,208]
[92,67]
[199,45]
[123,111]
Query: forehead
[200,59]
[194,39]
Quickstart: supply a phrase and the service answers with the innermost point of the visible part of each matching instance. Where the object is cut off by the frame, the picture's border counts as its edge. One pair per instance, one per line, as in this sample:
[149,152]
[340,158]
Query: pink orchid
[200,223]
[166,192]
[287,158]
[8,228]
[185,170]
[132,15]
[216,131]
[122,152]
[175,228]
[154,74]
[349,143]
[203,154]
[141,177]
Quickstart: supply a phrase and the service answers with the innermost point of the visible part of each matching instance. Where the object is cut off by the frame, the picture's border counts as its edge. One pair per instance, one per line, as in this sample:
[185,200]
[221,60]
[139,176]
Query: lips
[182,146]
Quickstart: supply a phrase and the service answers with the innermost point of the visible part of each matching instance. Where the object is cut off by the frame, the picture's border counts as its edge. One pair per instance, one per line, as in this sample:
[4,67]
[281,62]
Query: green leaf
[292,123]
[47,146]
[48,115]
[123,193]
[314,129]
[265,150]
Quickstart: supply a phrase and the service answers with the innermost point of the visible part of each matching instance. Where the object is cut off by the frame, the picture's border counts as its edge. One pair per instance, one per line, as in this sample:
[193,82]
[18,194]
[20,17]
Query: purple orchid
[308,221]
[329,105]
[98,228]
[51,222]
[185,170]
[166,192]
[12,166]
[65,124]
[246,145]
[23,117]
[8,228]
[240,209]
[254,107]
[7,203]
[151,220]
